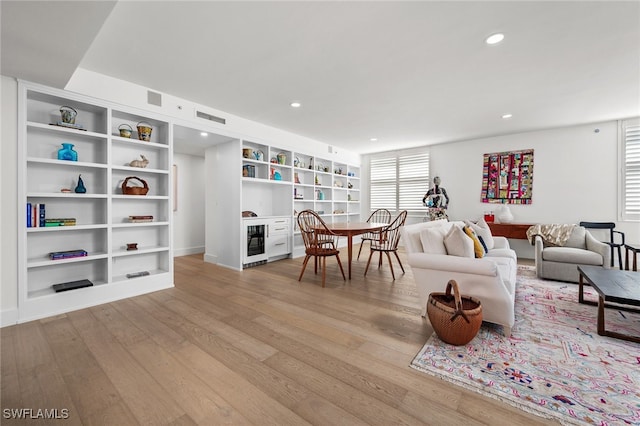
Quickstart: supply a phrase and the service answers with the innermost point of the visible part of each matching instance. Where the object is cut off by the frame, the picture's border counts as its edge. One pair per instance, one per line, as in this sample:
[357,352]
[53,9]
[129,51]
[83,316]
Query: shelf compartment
[149,239]
[90,213]
[40,244]
[153,262]
[158,183]
[40,280]
[44,141]
[124,153]
[43,177]
[44,108]
[159,132]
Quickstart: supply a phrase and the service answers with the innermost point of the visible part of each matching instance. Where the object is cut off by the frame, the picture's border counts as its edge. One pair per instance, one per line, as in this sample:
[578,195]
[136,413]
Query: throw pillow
[482,230]
[457,243]
[484,245]
[478,250]
[432,240]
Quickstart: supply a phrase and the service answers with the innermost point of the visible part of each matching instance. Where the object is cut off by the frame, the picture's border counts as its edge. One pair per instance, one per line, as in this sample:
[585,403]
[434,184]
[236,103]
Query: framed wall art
[507,177]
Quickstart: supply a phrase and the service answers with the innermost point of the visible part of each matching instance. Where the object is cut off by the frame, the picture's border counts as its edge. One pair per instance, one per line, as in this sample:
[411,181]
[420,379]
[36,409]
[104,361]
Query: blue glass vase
[67,152]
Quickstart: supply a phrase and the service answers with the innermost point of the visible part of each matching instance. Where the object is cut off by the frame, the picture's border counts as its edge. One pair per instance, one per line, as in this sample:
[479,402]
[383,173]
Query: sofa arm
[442,262]
[501,242]
[539,246]
[599,247]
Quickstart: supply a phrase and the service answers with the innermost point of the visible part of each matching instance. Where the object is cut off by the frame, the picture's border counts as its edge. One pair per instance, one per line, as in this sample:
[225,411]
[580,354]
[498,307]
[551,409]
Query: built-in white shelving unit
[102,226]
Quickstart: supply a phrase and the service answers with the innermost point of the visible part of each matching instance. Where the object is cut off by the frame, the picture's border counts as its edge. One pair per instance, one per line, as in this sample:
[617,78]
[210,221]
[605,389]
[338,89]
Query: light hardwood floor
[252,347]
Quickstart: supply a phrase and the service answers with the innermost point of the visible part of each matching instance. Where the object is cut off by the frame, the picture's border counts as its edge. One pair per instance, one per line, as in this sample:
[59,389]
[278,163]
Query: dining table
[351,229]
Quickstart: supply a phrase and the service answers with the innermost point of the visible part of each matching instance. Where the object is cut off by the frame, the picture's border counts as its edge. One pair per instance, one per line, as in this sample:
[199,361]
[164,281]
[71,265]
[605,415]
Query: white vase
[505,215]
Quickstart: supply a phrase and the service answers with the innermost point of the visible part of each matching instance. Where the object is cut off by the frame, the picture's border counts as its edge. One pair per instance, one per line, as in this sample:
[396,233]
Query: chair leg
[390,264]
[324,269]
[398,257]
[368,262]
[304,266]
[360,250]
[340,265]
[380,260]
[620,257]
[316,265]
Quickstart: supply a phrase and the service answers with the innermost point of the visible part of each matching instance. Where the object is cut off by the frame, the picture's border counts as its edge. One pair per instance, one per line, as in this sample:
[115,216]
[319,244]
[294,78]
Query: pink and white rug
[554,364]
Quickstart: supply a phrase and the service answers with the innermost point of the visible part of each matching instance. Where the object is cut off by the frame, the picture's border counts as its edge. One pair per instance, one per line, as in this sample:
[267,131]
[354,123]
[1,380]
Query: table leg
[349,249]
[601,331]
[581,290]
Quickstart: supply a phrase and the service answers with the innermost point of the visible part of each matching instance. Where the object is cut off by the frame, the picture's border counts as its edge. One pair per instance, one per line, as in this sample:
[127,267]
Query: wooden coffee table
[612,285]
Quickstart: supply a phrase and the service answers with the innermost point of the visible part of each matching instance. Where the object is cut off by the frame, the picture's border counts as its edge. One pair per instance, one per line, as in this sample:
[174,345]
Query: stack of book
[135,219]
[58,255]
[35,215]
[63,221]
[249,170]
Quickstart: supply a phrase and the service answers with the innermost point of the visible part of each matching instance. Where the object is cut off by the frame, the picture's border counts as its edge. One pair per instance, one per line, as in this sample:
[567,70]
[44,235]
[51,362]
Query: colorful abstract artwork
[507,177]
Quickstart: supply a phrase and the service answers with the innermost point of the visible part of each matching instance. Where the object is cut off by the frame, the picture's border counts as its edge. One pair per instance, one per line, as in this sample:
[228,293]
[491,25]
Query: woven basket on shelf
[455,319]
[134,190]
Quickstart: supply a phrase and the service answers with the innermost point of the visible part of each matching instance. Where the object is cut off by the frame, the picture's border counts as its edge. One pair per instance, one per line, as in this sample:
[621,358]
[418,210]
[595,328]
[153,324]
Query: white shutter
[631,170]
[399,180]
[383,183]
[413,182]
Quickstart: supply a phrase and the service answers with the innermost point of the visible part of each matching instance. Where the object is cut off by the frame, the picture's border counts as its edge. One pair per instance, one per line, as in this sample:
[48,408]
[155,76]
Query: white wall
[189,218]
[9,196]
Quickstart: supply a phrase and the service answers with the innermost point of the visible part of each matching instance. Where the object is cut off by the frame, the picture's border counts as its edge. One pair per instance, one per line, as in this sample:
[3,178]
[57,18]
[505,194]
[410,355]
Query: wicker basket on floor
[456,319]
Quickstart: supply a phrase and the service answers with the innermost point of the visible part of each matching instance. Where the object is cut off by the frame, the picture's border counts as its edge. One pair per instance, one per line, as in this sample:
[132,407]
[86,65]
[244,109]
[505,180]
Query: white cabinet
[100,217]
[278,237]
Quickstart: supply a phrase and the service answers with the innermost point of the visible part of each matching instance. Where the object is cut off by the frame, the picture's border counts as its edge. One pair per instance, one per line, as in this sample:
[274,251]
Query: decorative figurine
[140,163]
[80,188]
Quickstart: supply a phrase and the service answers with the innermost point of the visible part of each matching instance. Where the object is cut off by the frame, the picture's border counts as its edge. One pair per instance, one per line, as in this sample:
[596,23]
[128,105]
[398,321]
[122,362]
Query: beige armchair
[560,262]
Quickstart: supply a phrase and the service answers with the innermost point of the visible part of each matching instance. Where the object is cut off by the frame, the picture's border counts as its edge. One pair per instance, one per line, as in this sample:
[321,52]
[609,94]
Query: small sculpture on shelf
[125,130]
[132,246]
[144,131]
[68,114]
[140,163]
[80,188]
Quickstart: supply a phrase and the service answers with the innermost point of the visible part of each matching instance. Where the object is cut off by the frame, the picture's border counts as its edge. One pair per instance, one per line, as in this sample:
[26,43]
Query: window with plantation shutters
[630,137]
[399,180]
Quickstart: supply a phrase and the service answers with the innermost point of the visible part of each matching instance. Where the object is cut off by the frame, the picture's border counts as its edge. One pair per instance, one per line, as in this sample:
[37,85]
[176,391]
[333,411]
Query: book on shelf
[71,285]
[67,254]
[41,214]
[65,221]
[141,218]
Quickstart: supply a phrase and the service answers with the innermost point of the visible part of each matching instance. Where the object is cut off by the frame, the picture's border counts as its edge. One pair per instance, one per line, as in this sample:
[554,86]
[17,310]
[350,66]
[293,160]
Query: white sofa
[491,279]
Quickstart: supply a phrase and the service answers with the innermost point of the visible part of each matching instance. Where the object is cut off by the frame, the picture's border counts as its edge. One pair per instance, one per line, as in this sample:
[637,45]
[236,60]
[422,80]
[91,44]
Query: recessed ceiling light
[204,134]
[373,139]
[507,116]
[296,104]
[495,38]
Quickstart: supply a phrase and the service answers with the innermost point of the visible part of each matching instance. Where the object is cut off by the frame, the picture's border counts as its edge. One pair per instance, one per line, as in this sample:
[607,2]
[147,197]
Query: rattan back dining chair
[378,216]
[319,242]
[387,242]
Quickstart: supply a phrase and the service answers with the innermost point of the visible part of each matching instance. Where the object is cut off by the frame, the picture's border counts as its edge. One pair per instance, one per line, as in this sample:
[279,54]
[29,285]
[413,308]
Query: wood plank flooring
[252,347]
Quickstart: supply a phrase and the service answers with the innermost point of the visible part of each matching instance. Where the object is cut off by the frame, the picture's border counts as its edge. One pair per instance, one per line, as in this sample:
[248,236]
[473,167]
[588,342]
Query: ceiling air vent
[210,117]
[154,98]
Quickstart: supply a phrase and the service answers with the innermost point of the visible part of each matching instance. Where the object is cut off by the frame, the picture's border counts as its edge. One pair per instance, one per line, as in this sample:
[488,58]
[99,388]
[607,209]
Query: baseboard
[8,317]
[211,258]
[187,251]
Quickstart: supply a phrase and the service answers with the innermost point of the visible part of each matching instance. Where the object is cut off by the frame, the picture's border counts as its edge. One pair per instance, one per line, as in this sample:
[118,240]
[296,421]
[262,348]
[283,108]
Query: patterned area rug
[554,364]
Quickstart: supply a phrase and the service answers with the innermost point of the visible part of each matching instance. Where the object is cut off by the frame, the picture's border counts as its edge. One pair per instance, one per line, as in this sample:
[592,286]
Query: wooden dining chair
[378,216]
[387,242]
[612,240]
[319,242]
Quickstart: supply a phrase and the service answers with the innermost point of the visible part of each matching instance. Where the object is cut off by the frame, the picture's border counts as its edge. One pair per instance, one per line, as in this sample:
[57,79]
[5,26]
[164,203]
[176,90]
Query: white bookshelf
[102,226]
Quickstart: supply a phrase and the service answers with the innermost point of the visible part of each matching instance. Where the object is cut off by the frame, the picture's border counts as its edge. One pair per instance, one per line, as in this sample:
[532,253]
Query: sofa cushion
[502,252]
[411,234]
[432,240]
[478,249]
[577,239]
[571,255]
[458,243]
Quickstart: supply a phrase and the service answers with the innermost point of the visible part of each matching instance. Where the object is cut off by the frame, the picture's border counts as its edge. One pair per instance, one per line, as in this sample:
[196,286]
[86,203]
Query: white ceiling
[406,73]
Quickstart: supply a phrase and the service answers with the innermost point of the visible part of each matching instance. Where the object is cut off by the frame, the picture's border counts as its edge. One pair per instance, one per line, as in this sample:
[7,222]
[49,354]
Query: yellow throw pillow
[477,245]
